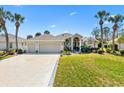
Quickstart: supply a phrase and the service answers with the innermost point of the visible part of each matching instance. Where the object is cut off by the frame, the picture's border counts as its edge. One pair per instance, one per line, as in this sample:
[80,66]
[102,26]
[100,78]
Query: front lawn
[90,70]
[5,57]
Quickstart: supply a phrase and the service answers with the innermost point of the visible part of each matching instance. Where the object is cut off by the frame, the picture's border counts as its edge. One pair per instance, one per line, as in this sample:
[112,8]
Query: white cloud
[73,13]
[53,26]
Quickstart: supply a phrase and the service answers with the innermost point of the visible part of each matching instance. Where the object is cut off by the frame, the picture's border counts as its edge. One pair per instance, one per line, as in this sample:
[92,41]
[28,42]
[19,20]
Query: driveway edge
[51,81]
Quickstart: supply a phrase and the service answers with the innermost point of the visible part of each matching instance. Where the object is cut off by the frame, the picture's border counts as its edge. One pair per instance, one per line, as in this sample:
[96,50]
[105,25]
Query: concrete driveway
[28,70]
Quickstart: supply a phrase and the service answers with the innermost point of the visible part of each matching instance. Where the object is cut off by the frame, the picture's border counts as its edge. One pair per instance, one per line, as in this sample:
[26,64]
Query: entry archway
[76,44]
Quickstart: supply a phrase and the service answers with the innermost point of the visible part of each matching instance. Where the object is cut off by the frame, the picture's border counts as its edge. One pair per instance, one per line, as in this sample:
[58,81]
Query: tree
[102,16]
[37,34]
[115,20]
[5,15]
[46,32]
[18,19]
[96,33]
[29,36]
[106,31]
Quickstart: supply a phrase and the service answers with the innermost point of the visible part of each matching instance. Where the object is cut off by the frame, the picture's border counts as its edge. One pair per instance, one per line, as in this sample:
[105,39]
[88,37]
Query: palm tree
[102,16]
[5,15]
[37,34]
[106,33]
[46,32]
[115,20]
[18,19]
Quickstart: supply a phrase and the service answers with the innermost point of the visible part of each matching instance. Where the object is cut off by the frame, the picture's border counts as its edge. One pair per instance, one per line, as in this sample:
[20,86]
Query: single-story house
[45,43]
[120,42]
[12,44]
[48,43]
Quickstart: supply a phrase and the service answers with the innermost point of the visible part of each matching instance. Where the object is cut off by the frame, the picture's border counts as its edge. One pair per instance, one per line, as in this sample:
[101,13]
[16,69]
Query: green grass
[90,70]
[5,57]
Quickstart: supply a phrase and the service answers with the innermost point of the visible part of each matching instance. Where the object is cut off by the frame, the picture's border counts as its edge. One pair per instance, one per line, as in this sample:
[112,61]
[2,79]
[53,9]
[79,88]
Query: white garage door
[50,47]
[31,48]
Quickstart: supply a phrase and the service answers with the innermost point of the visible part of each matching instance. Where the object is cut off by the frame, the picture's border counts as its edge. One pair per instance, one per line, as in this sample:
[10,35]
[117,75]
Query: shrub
[122,52]
[108,50]
[36,51]
[100,51]
[24,51]
[11,52]
[104,49]
[65,52]
[19,51]
[2,53]
[85,49]
[94,51]
[117,53]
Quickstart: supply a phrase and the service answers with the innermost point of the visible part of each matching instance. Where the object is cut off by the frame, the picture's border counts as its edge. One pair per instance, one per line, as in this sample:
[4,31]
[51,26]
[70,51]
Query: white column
[72,44]
[80,45]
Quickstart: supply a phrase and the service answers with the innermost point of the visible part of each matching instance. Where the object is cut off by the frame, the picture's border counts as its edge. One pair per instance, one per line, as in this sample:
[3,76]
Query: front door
[76,44]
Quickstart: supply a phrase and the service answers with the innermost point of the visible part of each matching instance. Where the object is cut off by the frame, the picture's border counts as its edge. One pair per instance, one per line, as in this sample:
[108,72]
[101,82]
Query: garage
[31,48]
[45,44]
[50,47]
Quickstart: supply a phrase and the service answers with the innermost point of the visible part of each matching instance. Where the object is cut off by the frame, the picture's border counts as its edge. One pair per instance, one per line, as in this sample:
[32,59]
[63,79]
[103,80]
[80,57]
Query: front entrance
[76,44]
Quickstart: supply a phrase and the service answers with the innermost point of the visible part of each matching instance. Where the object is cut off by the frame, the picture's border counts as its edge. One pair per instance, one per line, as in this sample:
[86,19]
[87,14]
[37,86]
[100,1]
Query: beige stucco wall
[45,46]
[121,46]
[20,45]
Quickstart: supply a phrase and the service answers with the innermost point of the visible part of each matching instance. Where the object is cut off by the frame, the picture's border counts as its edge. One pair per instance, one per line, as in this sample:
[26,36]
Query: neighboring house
[91,42]
[120,42]
[46,43]
[12,45]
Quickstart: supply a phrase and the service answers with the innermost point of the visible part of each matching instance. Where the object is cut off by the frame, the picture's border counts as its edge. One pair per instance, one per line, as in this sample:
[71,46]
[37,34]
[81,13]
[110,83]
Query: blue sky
[59,19]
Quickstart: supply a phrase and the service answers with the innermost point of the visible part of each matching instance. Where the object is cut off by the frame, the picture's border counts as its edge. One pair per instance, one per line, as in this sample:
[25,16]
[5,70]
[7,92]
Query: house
[46,43]
[120,42]
[12,44]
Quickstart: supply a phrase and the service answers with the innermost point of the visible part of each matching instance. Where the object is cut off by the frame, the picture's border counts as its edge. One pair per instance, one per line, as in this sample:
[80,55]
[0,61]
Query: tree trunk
[105,37]
[101,37]
[16,37]
[94,44]
[7,38]
[113,41]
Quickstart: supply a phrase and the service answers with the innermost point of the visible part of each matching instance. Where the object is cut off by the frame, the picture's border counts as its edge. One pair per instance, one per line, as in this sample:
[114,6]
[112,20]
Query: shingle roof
[64,36]
[51,37]
[45,37]
[11,38]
